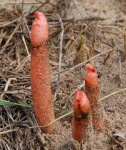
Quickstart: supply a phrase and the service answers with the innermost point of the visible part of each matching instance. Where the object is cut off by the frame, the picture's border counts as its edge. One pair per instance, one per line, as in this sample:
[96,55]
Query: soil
[98,27]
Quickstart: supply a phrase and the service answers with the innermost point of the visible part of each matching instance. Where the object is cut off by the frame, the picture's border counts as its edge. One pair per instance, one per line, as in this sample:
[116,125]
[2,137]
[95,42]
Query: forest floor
[97,26]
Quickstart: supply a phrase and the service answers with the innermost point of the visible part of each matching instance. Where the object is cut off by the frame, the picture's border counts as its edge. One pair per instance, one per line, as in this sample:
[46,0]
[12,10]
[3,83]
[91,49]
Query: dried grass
[17,123]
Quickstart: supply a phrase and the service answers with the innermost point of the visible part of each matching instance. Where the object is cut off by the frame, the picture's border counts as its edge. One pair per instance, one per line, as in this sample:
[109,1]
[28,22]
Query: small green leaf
[8,103]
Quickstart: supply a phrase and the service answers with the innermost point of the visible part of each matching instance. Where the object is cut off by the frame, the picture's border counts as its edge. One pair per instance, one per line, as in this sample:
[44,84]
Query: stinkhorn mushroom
[40,73]
[92,92]
[80,119]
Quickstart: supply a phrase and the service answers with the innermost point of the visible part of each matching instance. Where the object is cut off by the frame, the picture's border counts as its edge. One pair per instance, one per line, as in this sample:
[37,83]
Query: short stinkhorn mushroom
[80,119]
[92,92]
[40,73]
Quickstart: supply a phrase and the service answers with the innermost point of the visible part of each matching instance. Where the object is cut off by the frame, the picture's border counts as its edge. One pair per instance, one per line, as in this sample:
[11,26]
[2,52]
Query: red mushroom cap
[39,31]
[81,104]
[91,77]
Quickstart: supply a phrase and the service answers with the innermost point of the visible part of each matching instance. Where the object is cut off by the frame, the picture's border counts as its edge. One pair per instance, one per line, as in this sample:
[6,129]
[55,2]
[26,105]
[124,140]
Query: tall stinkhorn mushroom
[80,119]
[92,92]
[40,73]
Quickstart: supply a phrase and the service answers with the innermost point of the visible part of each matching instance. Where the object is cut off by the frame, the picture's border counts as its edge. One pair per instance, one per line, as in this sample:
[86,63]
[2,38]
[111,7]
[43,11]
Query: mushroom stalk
[92,92]
[40,73]
[80,120]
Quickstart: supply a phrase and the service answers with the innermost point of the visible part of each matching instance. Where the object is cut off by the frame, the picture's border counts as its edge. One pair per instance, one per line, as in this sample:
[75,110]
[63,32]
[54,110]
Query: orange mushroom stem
[80,119]
[92,92]
[40,73]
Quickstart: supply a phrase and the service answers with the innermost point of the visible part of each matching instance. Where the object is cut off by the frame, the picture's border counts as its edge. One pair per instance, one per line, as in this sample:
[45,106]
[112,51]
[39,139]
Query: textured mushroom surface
[40,73]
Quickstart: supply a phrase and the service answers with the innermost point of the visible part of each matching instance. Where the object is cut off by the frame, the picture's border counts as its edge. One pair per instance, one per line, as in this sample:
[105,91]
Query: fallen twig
[61,48]
[69,113]
[8,131]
